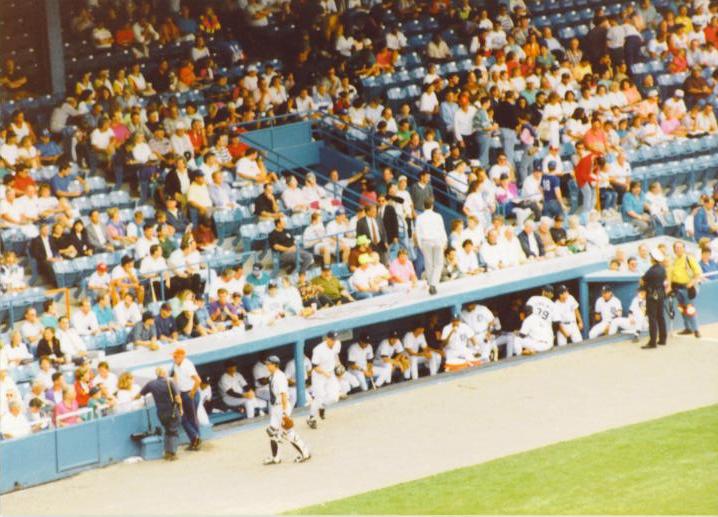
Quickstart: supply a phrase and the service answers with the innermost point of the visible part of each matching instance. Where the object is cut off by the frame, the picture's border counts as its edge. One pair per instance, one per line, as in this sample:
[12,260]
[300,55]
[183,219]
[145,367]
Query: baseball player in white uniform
[260,372]
[570,323]
[536,333]
[461,343]
[291,373]
[236,392]
[636,321]
[390,357]
[417,348]
[281,427]
[325,386]
[360,357]
[608,308]
[485,325]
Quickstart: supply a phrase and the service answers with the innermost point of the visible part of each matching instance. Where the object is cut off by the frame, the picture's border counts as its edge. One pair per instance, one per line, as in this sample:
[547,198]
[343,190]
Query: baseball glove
[339,370]
[287,422]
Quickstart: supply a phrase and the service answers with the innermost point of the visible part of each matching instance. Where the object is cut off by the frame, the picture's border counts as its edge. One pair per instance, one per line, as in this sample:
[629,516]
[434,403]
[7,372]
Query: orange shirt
[187,76]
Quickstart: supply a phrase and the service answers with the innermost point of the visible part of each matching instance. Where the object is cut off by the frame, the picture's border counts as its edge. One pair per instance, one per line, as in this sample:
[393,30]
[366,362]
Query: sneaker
[272,461]
[312,423]
[322,413]
[304,457]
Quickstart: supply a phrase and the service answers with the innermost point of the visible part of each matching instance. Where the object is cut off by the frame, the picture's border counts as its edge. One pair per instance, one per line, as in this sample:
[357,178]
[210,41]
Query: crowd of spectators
[565,114]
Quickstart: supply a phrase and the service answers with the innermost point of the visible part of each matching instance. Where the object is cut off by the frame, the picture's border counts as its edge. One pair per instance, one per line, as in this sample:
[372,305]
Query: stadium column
[56,49]
[585,305]
[299,369]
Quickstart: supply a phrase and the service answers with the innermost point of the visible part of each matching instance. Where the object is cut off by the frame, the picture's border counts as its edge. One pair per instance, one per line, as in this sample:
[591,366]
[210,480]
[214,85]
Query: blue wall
[54,454]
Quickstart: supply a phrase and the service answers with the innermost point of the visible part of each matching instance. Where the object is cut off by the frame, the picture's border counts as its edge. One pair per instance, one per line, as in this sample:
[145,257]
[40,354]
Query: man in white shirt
[484,324]
[458,181]
[325,386]
[468,260]
[536,334]
[293,197]
[568,315]
[14,424]
[198,195]
[430,235]
[145,242]
[418,350]
[31,328]
[182,145]
[636,321]
[236,392]
[127,312]
[106,378]
[359,357]
[185,375]
[71,343]
[464,127]
[607,309]
[460,341]
[103,142]
[84,320]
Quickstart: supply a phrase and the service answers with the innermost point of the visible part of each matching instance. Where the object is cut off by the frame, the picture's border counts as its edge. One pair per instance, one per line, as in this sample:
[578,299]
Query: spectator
[282,242]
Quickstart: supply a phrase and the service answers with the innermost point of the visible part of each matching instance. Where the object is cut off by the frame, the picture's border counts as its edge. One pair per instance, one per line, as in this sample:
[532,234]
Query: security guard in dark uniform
[654,280]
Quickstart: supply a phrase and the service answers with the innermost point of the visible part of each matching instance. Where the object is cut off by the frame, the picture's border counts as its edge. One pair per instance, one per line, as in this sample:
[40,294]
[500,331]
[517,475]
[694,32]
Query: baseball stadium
[382,257]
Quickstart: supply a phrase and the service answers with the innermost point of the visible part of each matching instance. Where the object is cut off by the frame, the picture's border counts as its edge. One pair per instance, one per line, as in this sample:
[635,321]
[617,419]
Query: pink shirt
[62,409]
[404,272]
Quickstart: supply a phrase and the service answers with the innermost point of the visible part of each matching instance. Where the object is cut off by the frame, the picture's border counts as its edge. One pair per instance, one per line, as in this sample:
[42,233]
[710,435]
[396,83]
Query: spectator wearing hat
[50,152]
[656,284]
[184,374]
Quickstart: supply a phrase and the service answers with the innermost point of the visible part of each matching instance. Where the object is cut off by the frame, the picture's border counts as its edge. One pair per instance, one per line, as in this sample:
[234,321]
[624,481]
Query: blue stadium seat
[566,33]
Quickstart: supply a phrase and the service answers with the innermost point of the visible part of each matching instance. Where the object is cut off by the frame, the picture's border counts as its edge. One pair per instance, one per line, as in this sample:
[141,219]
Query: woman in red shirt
[197,136]
[83,383]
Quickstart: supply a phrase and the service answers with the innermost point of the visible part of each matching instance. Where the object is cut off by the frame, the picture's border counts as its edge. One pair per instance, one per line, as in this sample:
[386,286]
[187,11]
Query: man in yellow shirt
[684,275]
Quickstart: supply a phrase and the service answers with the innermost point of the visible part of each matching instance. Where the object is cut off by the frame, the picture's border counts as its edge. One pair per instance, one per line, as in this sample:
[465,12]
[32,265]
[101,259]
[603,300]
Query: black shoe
[322,412]
[697,333]
[685,332]
[648,346]
[432,289]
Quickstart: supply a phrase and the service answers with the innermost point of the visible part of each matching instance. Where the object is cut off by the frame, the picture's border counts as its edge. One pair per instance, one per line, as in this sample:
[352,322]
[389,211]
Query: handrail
[297,166]
[412,170]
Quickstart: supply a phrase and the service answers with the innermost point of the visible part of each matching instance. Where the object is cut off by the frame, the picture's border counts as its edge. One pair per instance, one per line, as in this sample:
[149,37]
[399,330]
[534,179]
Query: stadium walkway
[403,435]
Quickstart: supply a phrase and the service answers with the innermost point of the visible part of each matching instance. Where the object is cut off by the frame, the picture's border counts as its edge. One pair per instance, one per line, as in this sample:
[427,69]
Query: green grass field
[665,466]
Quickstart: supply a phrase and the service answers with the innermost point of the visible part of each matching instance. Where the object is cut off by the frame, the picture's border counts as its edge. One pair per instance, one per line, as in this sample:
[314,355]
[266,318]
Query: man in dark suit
[44,251]
[373,227]
[530,242]
[387,215]
[175,216]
